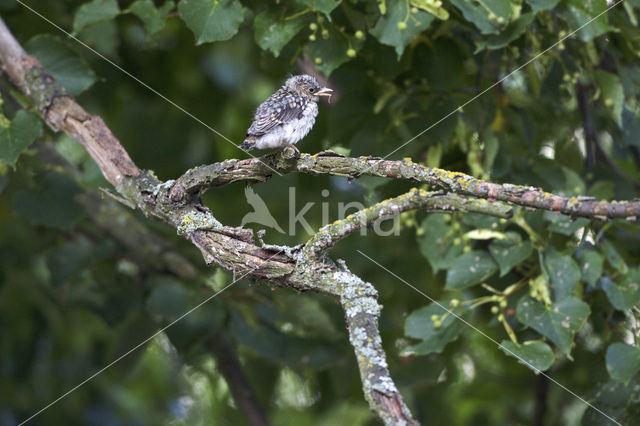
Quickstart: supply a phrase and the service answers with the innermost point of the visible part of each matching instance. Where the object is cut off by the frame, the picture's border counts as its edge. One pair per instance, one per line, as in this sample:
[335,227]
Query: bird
[287,115]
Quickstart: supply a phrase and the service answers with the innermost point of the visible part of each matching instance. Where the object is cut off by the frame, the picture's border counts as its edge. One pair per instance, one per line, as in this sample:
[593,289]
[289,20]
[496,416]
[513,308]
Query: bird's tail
[248,144]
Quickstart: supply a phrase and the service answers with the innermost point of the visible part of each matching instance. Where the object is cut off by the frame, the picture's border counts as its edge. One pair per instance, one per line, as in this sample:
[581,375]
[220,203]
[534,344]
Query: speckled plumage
[287,115]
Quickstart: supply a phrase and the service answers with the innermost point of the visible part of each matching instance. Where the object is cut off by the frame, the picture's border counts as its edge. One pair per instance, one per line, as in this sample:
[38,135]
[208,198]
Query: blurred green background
[74,297]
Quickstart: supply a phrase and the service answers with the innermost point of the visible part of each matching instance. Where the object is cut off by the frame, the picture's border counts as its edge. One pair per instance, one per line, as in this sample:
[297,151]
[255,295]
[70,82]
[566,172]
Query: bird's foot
[289,151]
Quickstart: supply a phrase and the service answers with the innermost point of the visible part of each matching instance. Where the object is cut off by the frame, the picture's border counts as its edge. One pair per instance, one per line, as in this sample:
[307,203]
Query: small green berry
[466,249]
[325,34]
[320,19]
[454,302]
[359,35]
[492,17]
[351,53]
[500,317]
[608,102]
[434,317]
[437,324]
[313,26]
[503,303]
[402,26]
[500,20]
[318,60]
[561,46]
[414,10]
[457,241]
[312,37]
[495,310]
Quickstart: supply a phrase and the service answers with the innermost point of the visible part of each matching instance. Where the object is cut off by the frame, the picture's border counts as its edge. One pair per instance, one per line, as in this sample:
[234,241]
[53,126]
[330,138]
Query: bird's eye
[312,89]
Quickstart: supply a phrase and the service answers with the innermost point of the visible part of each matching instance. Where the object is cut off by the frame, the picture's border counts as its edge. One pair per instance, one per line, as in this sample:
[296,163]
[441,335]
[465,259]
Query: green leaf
[479,16]
[625,295]
[324,6]
[564,274]
[51,203]
[154,19]
[419,325]
[212,20]
[623,361]
[285,349]
[427,5]
[558,322]
[470,269]
[537,354]
[564,224]
[631,127]
[18,135]
[613,257]
[612,94]
[328,54]
[273,33]
[68,260]
[590,266]
[103,36]
[169,299]
[436,243]
[510,33]
[93,12]
[508,254]
[387,31]
[65,65]
[578,12]
[538,5]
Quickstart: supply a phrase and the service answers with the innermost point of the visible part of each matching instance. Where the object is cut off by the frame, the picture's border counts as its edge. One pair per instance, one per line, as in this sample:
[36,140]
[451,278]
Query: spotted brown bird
[287,115]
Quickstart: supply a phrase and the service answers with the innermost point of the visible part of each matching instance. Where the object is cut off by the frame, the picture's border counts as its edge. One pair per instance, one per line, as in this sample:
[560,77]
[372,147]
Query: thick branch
[62,113]
[197,180]
[359,302]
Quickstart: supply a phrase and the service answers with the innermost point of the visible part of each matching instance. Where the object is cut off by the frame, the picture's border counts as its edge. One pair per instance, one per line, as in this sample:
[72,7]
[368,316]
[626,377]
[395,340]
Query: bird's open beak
[325,91]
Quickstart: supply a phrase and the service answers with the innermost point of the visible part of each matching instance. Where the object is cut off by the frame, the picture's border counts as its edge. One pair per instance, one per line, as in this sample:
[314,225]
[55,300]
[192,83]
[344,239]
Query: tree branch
[327,236]
[231,369]
[197,180]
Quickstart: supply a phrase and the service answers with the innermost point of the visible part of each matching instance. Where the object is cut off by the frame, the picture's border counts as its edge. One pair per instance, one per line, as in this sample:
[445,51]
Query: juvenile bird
[287,115]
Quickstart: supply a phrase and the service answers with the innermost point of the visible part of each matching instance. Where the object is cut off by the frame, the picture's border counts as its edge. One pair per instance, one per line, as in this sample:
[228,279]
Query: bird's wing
[280,108]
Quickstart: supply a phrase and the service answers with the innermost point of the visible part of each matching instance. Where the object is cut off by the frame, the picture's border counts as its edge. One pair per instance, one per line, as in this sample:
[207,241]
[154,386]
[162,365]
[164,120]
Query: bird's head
[307,86]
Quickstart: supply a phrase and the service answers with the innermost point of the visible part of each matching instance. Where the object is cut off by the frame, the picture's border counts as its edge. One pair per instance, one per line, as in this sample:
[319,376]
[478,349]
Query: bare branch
[231,369]
[62,113]
[197,180]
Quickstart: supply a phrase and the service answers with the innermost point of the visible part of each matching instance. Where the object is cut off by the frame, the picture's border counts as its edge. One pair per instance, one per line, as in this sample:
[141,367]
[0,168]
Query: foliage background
[72,299]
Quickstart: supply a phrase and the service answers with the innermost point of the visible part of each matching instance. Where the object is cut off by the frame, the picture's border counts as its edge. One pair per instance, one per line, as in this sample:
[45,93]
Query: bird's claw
[290,151]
